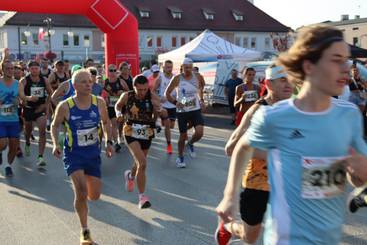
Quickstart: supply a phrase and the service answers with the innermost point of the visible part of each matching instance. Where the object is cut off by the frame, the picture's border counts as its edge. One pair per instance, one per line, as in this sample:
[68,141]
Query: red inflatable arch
[119,25]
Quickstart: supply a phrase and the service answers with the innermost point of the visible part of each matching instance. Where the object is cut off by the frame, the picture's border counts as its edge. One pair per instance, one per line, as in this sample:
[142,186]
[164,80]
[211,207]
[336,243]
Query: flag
[41,34]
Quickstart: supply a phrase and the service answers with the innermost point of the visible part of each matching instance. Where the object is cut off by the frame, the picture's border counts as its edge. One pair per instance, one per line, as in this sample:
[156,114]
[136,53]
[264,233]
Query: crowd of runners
[294,148]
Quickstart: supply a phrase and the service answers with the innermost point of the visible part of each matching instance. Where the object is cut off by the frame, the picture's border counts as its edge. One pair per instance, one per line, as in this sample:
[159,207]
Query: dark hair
[168,62]
[140,79]
[311,43]
[88,60]
[66,61]
[248,69]
[122,64]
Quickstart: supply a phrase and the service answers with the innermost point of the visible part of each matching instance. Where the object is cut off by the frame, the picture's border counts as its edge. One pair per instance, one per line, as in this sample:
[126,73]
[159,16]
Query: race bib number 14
[87,137]
[322,177]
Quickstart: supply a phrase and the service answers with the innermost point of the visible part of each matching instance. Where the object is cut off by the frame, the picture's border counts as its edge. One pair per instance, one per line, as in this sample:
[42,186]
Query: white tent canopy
[208,47]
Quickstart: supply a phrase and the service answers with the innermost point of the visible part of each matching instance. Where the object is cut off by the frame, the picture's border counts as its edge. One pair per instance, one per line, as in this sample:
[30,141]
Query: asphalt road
[36,207]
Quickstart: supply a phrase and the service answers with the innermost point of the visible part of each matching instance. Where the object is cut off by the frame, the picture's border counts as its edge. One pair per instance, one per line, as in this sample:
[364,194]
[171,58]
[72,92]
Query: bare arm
[106,123]
[61,115]
[59,92]
[238,99]
[171,86]
[157,83]
[156,106]
[201,86]
[241,129]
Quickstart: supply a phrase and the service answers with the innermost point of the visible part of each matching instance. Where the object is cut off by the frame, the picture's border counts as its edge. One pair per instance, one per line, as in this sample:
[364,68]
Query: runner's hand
[179,105]
[356,166]
[109,150]
[225,209]
[229,148]
[56,151]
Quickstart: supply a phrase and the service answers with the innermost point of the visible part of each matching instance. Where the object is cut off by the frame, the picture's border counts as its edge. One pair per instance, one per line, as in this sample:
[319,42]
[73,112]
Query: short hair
[79,74]
[5,62]
[248,69]
[168,62]
[140,79]
[123,64]
[310,44]
[88,60]
[66,61]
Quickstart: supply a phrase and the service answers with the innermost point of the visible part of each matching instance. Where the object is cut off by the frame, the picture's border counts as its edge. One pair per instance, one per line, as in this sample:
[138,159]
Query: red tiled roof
[192,16]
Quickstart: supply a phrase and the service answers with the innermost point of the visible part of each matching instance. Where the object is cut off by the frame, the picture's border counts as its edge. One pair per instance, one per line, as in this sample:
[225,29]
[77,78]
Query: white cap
[187,61]
[272,73]
[154,68]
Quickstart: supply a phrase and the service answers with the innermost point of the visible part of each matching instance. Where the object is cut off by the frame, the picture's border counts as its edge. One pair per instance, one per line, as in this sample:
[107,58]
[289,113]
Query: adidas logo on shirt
[296,134]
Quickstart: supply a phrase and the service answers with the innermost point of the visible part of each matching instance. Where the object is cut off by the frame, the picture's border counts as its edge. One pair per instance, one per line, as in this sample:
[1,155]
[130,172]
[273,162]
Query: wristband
[118,114]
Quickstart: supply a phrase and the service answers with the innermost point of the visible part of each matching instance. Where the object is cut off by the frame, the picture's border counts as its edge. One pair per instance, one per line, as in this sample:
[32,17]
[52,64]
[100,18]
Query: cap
[154,68]
[33,63]
[59,62]
[272,73]
[75,68]
[187,61]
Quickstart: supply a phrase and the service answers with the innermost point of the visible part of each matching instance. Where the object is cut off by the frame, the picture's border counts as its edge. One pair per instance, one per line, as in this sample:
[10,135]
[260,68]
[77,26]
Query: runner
[189,104]
[246,94]
[160,86]
[153,77]
[125,75]
[45,70]
[82,114]
[32,92]
[255,194]
[67,68]
[142,109]
[9,120]
[114,88]
[58,76]
[307,154]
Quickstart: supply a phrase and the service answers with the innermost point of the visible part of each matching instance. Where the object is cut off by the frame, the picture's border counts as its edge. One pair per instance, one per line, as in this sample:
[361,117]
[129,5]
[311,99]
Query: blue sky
[295,13]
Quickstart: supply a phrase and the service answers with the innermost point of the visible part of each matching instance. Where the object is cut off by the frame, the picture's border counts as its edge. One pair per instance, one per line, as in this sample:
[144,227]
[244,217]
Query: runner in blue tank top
[9,120]
[82,114]
[313,143]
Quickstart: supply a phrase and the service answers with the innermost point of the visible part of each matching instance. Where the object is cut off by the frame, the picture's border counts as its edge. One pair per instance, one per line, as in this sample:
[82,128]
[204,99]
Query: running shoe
[180,162]
[27,150]
[117,147]
[8,172]
[19,152]
[85,238]
[169,149]
[144,202]
[41,162]
[222,236]
[32,137]
[191,149]
[129,182]
[357,199]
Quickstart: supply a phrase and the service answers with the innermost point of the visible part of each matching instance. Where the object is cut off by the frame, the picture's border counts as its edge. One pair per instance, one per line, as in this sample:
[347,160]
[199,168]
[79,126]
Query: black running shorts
[253,205]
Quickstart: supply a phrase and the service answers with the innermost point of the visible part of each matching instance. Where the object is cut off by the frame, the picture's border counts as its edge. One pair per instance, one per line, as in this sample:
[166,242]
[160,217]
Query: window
[183,41]
[149,41]
[86,41]
[23,39]
[355,28]
[208,14]
[144,13]
[237,16]
[245,42]
[253,42]
[76,40]
[237,41]
[35,38]
[102,41]
[159,42]
[355,41]
[65,39]
[267,43]
[174,42]
[176,15]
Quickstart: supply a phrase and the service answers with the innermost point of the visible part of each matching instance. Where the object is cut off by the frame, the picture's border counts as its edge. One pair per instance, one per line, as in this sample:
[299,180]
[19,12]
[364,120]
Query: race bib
[250,96]
[87,137]
[38,92]
[140,131]
[7,110]
[189,103]
[113,100]
[322,177]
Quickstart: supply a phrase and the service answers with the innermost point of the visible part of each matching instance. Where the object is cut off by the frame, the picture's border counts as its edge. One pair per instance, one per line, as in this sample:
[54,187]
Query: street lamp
[48,22]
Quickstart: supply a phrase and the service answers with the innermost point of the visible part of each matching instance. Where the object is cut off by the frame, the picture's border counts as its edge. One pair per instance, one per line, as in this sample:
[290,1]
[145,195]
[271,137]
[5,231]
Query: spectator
[230,91]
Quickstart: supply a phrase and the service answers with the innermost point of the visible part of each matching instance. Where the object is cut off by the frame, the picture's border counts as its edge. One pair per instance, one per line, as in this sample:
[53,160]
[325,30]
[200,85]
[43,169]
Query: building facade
[162,28]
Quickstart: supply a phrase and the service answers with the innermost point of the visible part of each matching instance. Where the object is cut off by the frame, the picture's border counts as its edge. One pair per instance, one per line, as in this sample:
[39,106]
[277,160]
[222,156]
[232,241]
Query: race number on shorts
[250,96]
[38,91]
[323,177]
[87,137]
[140,131]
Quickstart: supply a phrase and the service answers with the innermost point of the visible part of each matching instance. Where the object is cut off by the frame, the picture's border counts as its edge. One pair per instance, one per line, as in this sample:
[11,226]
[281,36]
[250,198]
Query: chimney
[344,17]
[357,17]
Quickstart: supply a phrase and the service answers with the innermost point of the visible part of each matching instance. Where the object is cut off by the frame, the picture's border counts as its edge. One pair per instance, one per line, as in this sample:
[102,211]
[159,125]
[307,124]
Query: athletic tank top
[9,102]
[47,74]
[251,95]
[82,130]
[129,82]
[112,90]
[256,173]
[70,92]
[164,84]
[37,89]
[187,94]
[139,114]
[58,80]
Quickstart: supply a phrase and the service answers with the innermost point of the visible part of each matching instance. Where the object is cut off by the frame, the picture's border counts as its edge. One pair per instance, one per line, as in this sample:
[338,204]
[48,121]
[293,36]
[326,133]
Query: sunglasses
[112,70]
[93,73]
